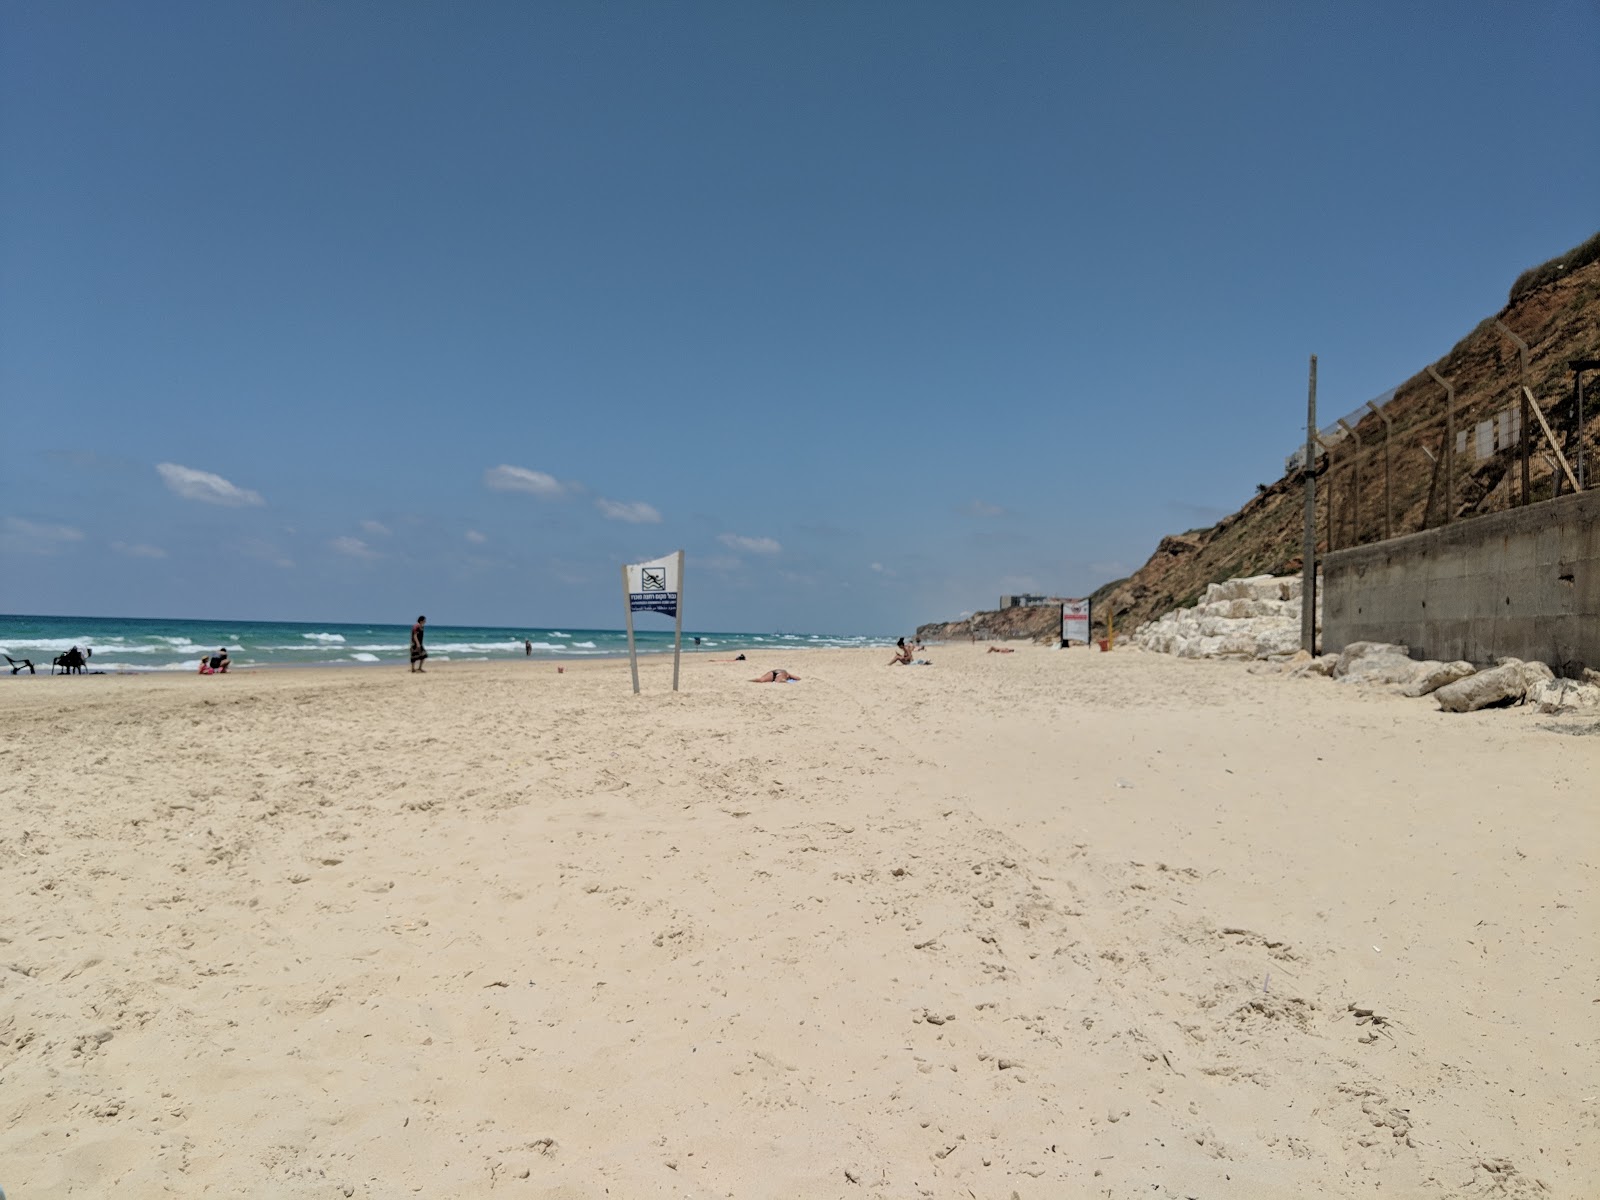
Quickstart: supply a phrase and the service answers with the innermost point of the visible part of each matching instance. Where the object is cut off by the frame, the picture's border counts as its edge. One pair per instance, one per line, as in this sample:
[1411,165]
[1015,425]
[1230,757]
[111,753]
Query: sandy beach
[1034,925]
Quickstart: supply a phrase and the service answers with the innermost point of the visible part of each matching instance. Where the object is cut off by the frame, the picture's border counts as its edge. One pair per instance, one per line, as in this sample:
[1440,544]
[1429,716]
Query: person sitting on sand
[902,655]
[220,661]
[738,658]
[1001,650]
[777,676]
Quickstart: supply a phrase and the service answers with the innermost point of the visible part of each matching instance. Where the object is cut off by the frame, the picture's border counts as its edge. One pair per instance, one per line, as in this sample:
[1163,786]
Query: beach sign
[655,586]
[1074,621]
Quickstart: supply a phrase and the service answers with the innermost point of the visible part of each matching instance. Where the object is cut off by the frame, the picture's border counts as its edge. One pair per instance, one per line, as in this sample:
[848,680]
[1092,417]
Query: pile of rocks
[1458,686]
[1257,617]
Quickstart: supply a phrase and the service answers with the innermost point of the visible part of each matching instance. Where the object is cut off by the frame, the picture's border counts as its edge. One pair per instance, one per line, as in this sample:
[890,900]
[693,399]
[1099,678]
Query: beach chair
[17,665]
[70,662]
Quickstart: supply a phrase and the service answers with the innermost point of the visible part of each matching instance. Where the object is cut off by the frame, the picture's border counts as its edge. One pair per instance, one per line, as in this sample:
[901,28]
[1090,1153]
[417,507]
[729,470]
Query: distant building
[1026,601]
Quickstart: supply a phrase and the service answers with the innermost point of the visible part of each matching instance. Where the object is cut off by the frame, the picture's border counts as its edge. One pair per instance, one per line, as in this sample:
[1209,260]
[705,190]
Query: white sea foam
[558,633]
[323,637]
[487,647]
[365,657]
[17,647]
[583,645]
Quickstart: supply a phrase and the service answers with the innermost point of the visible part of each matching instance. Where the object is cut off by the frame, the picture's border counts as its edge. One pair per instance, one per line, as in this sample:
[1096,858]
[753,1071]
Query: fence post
[1355,481]
[1449,445]
[1333,528]
[1388,491]
[1522,364]
[1308,556]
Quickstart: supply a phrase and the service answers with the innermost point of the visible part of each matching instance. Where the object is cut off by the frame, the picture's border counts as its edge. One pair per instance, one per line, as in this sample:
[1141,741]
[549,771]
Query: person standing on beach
[527,647]
[418,651]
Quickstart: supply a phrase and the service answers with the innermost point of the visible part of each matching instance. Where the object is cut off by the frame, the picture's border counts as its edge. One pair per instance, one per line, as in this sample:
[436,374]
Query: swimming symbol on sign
[653,579]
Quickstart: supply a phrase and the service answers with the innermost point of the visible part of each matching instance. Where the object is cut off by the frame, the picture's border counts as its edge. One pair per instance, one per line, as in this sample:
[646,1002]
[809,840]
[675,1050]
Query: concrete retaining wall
[1525,583]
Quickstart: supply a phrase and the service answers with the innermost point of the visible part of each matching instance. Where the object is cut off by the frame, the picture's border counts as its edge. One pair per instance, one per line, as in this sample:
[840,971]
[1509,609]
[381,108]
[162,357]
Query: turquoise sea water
[134,644]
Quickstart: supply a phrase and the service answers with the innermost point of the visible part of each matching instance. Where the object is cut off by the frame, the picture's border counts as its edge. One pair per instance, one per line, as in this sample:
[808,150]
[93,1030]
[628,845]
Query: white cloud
[267,552]
[138,550]
[750,545]
[355,548]
[635,512]
[981,508]
[520,479]
[476,538]
[375,528]
[206,487]
[35,537]
[718,562]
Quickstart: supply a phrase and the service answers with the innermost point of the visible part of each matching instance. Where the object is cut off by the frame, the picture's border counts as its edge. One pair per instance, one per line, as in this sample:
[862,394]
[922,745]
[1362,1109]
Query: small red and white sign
[1074,621]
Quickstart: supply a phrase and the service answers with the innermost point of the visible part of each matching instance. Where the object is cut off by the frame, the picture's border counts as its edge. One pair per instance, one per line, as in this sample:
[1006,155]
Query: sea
[133,644]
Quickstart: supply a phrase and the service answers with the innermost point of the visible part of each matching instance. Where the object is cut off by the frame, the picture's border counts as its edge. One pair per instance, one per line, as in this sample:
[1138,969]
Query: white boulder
[1504,684]
[1257,617]
[1564,695]
[1431,676]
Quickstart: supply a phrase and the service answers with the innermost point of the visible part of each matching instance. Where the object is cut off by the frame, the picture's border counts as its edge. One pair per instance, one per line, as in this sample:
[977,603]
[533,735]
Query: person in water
[419,652]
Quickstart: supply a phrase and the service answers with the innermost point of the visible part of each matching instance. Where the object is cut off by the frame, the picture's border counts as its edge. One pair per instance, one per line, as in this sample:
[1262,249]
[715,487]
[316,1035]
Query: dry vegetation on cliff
[1554,307]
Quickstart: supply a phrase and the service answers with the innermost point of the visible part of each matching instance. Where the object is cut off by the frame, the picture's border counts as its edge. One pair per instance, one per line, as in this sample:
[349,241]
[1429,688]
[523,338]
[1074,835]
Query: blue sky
[352,311]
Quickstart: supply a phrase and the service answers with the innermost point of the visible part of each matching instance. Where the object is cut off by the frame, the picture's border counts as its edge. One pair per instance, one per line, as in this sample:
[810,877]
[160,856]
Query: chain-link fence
[1495,424]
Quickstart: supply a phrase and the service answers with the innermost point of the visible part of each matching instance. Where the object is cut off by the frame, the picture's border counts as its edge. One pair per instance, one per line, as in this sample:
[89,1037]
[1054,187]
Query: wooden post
[627,607]
[1308,550]
[677,636]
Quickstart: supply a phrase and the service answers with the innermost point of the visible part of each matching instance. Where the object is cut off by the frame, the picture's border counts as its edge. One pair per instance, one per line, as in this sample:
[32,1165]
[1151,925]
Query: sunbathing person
[1000,650]
[777,676]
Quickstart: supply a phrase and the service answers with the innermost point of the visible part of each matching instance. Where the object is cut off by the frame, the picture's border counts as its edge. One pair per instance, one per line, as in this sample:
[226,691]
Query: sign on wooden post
[655,586]
[1074,621]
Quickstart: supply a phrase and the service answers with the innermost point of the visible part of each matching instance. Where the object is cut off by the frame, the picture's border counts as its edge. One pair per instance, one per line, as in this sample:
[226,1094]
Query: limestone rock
[1431,676]
[1239,618]
[1355,654]
[1564,695]
[1535,673]
[1504,684]
[1376,663]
